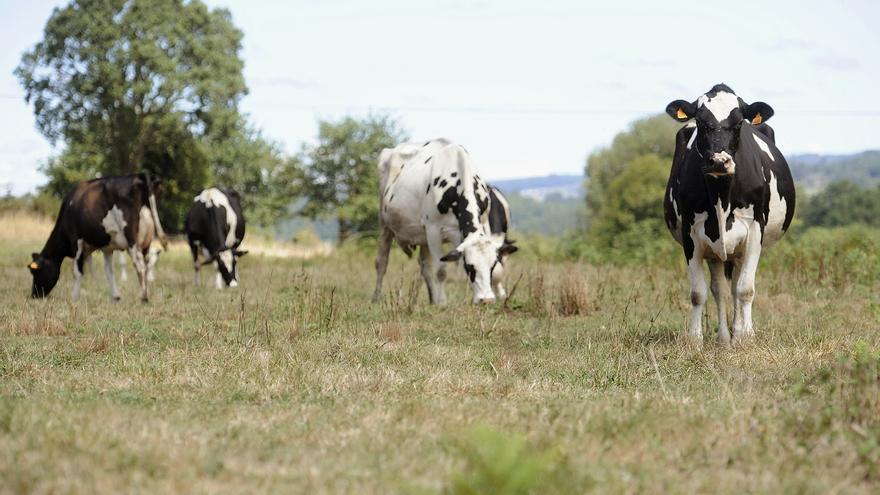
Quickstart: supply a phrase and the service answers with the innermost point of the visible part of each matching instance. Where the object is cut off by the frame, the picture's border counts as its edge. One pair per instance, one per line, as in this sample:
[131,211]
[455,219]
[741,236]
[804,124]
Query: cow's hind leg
[718,286]
[111,278]
[382,261]
[140,266]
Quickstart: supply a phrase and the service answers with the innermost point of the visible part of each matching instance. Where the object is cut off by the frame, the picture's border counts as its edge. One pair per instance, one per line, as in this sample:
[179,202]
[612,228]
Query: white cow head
[482,257]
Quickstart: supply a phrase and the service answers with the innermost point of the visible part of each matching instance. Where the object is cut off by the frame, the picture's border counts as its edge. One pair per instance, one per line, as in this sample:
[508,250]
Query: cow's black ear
[507,248]
[758,112]
[240,253]
[681,110]
[453,255]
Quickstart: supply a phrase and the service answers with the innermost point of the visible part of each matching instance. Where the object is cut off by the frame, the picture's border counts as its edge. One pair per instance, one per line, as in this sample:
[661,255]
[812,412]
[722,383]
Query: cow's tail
[160,232]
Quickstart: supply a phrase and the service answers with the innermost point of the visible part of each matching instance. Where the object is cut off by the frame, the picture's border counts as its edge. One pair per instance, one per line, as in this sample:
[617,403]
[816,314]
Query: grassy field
[296,383]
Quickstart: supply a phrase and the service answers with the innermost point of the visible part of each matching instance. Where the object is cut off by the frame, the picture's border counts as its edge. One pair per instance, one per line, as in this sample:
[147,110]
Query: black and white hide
[214,229]
[730,195]
[430,193]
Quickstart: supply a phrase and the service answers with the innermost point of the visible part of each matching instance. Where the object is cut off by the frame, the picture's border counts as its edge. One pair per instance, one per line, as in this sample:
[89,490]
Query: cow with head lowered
[430,193]
[214,229]
[730,195]
[107,214]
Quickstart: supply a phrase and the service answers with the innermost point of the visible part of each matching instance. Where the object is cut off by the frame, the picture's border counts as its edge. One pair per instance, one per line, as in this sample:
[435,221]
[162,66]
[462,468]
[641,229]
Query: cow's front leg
[109,271]
[140,266]
[698,296]
[382,261]
[499,291]
[744,291]
[718,285]
[434,270]
[79,260]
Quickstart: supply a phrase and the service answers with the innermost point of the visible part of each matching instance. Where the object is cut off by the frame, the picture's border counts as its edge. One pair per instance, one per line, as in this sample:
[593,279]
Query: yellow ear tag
[680,114]
[33,265]
[757,119]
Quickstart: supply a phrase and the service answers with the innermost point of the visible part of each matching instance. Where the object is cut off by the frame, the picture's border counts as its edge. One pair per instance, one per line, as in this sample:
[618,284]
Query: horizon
[531,90]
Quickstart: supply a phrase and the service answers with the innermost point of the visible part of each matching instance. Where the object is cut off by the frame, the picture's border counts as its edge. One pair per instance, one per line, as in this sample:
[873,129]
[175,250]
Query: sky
[530,88]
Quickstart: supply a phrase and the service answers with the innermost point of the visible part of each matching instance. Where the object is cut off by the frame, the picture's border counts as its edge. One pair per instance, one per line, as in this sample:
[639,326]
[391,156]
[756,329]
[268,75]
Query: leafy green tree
[128,85]
[255,167]
[634,202]
[339,173]
[652,135]
[843,203]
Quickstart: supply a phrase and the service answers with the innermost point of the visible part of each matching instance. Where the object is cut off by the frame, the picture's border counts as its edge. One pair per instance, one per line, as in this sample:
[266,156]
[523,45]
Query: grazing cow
[107,214]
[730,194]
[430,193]
[214,229]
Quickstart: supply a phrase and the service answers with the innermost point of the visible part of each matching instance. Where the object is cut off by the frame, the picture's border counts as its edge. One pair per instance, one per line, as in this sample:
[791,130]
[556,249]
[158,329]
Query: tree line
[155,85]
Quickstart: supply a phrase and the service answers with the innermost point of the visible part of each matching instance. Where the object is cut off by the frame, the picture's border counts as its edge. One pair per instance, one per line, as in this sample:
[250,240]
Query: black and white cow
[430,193]
[107,214]
[214,229]
[730,194]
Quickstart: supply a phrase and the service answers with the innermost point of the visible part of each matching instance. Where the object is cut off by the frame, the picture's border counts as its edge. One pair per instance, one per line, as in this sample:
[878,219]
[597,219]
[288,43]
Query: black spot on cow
[443,183]
[428,189]
[426,143]
[429,159]
[457,204]
[391,198]
[436,180]
[453,174]
[470,270]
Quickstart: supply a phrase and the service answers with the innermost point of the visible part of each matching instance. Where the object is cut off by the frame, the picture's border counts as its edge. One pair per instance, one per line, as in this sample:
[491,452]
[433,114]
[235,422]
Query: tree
[634,201]
[255,167]
[843,203]
[652,135]
[339,176]
[135,84]
[625,188]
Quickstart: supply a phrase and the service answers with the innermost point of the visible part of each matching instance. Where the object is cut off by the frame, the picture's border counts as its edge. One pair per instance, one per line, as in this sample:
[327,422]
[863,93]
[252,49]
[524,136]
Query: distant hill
[814,172]
[539,188]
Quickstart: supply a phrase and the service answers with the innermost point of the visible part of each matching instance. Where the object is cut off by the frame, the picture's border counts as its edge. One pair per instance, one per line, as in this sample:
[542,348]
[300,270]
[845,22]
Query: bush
[838,257]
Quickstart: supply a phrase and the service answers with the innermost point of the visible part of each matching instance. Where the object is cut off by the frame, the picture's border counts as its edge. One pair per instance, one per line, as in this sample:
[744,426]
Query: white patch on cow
[778,208]
[114,224]
[720,105]
[213,197]
[693,137]
[763,146]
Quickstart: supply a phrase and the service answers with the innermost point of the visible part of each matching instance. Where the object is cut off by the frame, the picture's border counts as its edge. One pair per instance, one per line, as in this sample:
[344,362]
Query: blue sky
[530,88]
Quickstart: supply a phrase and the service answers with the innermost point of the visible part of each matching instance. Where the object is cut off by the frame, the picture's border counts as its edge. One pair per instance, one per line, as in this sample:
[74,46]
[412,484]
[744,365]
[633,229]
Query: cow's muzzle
[720,164]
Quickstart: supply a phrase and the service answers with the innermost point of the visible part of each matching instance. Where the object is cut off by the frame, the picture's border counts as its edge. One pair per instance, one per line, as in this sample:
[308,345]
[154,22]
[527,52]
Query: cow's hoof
[116,299]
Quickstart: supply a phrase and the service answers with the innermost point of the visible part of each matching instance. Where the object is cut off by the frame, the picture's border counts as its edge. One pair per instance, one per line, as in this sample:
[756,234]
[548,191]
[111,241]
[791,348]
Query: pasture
[296,383]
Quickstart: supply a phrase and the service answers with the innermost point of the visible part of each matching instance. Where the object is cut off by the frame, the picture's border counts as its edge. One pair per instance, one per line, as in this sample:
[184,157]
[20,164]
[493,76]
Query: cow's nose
[234,283]
[486,300]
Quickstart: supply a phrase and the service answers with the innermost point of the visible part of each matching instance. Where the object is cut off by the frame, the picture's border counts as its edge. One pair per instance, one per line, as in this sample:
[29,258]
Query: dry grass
[574,297]
[296,383]
[24,226]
